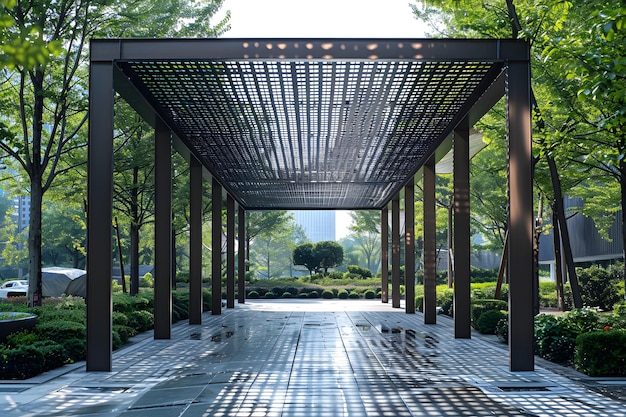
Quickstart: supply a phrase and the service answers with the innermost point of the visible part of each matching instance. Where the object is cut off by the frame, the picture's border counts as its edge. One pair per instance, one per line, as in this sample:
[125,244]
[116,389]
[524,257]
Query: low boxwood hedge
[601,353]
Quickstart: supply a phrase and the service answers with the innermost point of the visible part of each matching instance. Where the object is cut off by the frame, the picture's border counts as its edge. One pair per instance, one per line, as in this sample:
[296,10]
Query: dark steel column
[520,255]
[230,251]
[384,254]
[462,301]
[430,244]
[99,218]
[241,255]
[409,247]
[195,241]
[216,244]
[162,231]
[395,252]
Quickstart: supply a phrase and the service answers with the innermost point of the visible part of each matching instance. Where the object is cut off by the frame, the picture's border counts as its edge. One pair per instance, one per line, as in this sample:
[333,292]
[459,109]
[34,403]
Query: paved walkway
[307,358]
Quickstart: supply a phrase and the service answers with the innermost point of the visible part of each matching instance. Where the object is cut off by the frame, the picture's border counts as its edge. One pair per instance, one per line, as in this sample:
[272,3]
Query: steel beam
[409,246]
[99,218]
[384,254]
[462,302]
[195,241]
[216,245]
[430,244]
[162,232]
[520,254]
[395,252]
[230,251]
[241,255]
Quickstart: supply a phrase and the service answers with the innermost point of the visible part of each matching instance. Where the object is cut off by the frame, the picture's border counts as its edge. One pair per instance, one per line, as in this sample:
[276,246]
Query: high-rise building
[319,225]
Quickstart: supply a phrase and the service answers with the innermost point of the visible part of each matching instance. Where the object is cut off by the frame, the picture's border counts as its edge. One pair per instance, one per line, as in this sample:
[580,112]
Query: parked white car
[15,288]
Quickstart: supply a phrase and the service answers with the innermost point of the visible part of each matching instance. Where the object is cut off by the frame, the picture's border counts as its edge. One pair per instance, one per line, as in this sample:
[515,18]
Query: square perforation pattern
[312,133]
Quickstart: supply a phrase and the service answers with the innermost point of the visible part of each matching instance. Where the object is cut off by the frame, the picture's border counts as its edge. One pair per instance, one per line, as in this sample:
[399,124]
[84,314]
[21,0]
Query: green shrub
[445,299]
[313,294]
[24,337]
[328,294]
[601,353]
[369,294]
[52,314]
[146,281]
[253,295]
[116,340]
[488,321]
[119,319]
[303,295]
[502,330]
[54,354]
[206,300]
[582,320]
[598,288]
[182,277]
[291,290]
[76,349]
[141,320]
[354,295]
[115,286]
[335,275]
[122,303]
[21,362]
[60,330]
[343,294]
[269,294]
[180,305]
[287,294]
[125,332]
[554,340]
[482,305]
[360,271]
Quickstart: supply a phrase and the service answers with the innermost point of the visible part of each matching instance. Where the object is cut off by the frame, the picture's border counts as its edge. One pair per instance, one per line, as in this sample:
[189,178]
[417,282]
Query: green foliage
[601,353]
[502,330]
[354,295]
[343,294]
[253,295]
[360,271]
[481,306]
[369,294]
[313,294]
[328,294]
[598,287]
[21,362]
[141,320]
[24,337]
[337,275]
[147,281]
[60,330]
[488,321]
[554,341]
[269,294]
[287,294]
[319,256]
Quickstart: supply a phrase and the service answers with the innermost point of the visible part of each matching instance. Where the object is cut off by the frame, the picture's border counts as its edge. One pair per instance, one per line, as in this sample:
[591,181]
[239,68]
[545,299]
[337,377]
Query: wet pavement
[310,358]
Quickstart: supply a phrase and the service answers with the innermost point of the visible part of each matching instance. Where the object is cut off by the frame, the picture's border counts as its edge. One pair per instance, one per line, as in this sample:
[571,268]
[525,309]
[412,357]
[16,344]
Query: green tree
[329,253]
[44,134]
[366,229]
[306,256]
[64,233]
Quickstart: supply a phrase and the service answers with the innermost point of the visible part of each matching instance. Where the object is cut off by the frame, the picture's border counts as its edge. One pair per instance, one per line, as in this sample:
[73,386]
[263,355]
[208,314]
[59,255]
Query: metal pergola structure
[309,124]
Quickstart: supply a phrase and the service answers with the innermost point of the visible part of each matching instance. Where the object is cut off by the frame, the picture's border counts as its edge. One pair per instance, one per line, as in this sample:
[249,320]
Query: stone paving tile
[290,359]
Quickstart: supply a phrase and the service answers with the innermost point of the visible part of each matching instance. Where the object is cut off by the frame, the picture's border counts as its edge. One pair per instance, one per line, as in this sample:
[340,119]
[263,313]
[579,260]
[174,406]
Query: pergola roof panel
[291,124]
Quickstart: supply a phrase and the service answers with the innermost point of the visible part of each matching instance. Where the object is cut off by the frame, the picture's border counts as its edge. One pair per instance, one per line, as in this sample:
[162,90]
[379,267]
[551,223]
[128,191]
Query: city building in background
[319,225]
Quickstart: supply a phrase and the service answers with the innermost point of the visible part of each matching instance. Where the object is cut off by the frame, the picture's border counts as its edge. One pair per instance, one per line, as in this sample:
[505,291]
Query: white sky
[323,19]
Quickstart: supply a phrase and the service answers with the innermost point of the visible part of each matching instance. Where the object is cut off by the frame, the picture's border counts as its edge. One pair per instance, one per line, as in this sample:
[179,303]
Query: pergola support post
[520,254]
[384,254]
[195,241]
[216,245]
[162,231]
[230,251]
[409,247]
[395,252]
[241,255]
[430,244]
[462,301]
[99,218]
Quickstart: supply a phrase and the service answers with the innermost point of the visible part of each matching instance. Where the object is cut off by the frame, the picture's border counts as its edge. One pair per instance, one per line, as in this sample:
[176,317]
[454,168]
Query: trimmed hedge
[601,353]
[488,321]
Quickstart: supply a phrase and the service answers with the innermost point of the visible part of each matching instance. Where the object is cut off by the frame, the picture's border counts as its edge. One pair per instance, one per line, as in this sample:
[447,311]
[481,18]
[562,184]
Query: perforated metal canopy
[321,124]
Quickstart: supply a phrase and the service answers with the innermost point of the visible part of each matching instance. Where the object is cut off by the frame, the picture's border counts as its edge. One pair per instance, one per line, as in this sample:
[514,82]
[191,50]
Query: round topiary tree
[488,321]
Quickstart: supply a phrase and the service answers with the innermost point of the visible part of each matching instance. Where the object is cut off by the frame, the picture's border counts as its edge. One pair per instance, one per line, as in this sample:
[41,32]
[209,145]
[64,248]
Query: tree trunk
[558,270]
[622,178]
[34,243]
[134,235]
[567,248]
[36,192]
